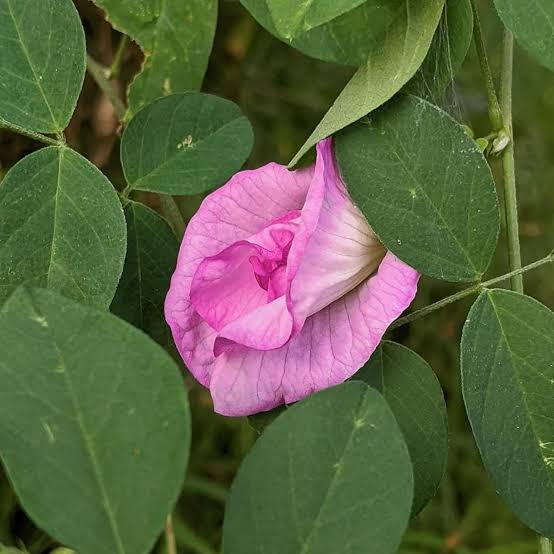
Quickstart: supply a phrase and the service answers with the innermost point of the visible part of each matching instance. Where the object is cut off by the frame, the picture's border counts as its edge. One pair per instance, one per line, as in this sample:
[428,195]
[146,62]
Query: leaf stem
[170,542]
[31,134]
[495,112]
[199,485]
[508,163]
[545,546]
[172,213]
[115,68]
[100,74]
[469,291]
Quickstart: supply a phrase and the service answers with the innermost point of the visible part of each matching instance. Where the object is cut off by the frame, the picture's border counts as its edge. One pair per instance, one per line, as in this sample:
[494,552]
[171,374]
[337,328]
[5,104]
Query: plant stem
[171,212]
[170,543]
[114,69]
[31,134]
[99,73]
[469,291]
[545,546]
[508,164]
[199,485]
[495,112]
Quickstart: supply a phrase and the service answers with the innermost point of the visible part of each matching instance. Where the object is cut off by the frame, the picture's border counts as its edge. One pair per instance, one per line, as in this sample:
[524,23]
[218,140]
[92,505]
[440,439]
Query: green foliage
[391,63]
[415,397]
[447,53]
[532,22]
[508,385]
[176,38]
[340,31]
[94,425]
[424,187]
[151,253]
[318,484]
[172,145]
[61,227]
[36,91]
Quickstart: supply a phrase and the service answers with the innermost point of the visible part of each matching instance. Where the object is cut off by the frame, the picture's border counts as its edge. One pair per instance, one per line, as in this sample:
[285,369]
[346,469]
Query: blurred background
[285,94]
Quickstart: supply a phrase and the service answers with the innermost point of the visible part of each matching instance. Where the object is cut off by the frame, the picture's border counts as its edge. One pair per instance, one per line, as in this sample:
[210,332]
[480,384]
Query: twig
[100,74]
[31,134]
[170,536]
[469,291]
[508,164]
[115,68]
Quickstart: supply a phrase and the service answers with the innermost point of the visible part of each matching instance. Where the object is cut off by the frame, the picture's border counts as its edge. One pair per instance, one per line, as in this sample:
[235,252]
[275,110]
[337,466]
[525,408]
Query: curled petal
[332,345]
[244,207]
[340,252]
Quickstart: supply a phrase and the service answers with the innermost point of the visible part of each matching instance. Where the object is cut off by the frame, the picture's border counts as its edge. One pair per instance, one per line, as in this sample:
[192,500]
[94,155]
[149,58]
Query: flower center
[270,268]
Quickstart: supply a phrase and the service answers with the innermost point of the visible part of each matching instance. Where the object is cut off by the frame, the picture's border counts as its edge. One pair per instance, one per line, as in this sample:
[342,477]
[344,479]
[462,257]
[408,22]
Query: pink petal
[342,250]
[333,344]
[245,206]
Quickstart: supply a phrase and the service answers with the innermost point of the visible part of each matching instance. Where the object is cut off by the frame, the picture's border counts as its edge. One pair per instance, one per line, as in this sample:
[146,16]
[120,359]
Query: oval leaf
[508,388]
[61,227]
[339,31]
[151,254]
[330,474]
[425,188]
[185,144]
[391,63]
[415,397]
[447,53]
[176,38]
[42,66]
[93,415]
[532,23]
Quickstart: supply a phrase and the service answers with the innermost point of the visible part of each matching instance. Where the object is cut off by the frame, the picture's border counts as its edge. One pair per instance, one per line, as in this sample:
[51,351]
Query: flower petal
[341,252]
[245,206]
[224,287]
[264,328]
[333,344]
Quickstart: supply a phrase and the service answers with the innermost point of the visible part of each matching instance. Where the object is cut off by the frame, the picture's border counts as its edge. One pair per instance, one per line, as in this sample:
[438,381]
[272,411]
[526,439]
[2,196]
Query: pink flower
[281,287]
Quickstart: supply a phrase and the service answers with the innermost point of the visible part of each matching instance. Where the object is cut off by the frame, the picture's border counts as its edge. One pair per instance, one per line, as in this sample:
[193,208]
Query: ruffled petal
[244,207]
[332,345]
[224,287]
[264,328]
[340,252]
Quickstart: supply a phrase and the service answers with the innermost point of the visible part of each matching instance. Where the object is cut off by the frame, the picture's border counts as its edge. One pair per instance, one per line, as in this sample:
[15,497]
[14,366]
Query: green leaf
[508,387]
[447,53]
[425,188]
[331,474]
[176,37]
[340,31]
[415,397]
[185,144]
[94,424]
[391,63]
[532,22]
[151,255]
[42,66]
[61,227]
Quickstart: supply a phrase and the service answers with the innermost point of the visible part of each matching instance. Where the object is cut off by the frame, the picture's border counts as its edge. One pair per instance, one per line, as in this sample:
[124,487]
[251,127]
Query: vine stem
[508,163]
[170,210]
[495,110]
[545,546]
[469,291]
[31,134]
[115,68]
[170,541]
[100,74]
